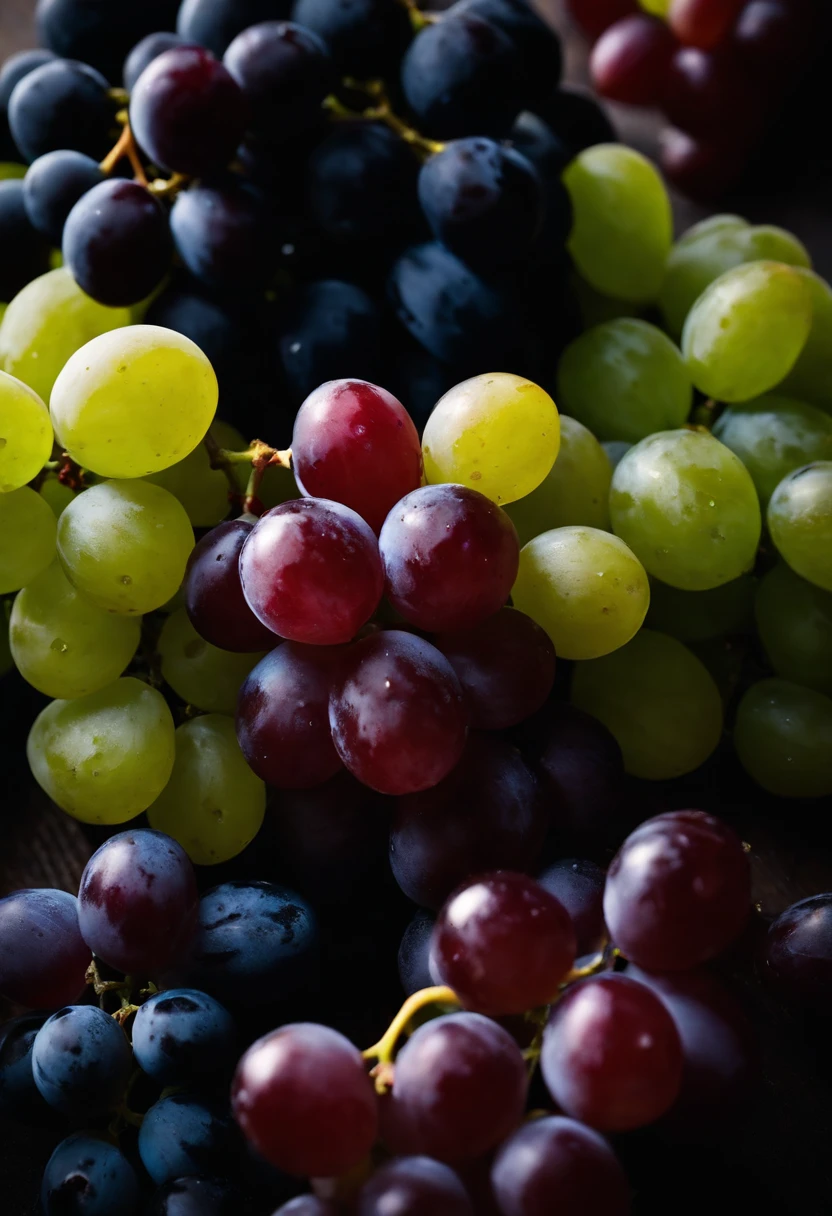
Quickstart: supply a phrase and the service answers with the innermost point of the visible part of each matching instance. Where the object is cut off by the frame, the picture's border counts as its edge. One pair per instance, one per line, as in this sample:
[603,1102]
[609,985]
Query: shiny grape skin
[215,23]
[283,716]
[137,903]
[11,73]
[331,328]
[182,1135]
[305,1101]
[54,184]
[223,233]
[534,36]
[183,1035]
[43,957]
[418,1186]
[88,1175]
[27,254]
[555,1164]
[19,1096]
[81,1061]
[366,38]
[703,23]
[100,34]
[678,892]
[415,970]
[285,72]
[196,1196]
[144,52]
[611,1056]
[310,570]
[631,60]
[796,956]
[307,1205]
[355,443]
[579,887]
[61,104]
[214,596]
[397,713]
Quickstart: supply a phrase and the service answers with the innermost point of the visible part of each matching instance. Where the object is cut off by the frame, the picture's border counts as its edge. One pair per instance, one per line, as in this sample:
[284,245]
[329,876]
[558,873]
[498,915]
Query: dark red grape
[611,1054]
[797,954]
[54,184]
[214,596]
[678,891]
[223,233]
[415,970]
[703,23]
[708,94]
[701,168]
[630,60]
[43,957]
[579,887]
[594,16]
[304,1099]
[285,72]
[414,1186]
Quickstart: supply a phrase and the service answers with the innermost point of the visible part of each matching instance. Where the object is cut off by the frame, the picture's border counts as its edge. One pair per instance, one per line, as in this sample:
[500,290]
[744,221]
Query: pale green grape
[25,434]
[773,436]
[658,700]
[698,616]
[811,377]
[623,226]
[616,449]
[584,587]
[46,322]
[746,330]
[125,544]
[58,495]
[800,522]
[203,491]
[63,643]
[201,674]
[576,491]
[134,401]
[595,307]
[213,804]
[106,757]
[495,433]
[687,507]
[625,379]
[794,621]
[782,736]
[27,538]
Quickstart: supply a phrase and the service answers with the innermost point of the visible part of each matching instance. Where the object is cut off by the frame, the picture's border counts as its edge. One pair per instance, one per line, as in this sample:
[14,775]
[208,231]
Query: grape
[800,522]
[397,713]
[703,23]
[214,597]
[305,1102]
[699,616]
[201,674]
[594,16]
[106,757]
[307,1205]
[781,735]
[203,491]
[631,60]
[223,235]
[27,538]
[19,1096]
[61,104]
[416,1185]
[549,156]
[659,701]
[81,1061]
[310,570]
[43,958]
[414,962]
[533,36]
[100,35]
[585,587]
[285,72]
[215,23]
[283,716]
[773,40]
[773,436]
[182,1035]
[574,492]
[497,432]
[11,72]
[687,507]
[56,493]
[26,442]
[797,953]
[810,379]
[578,118]
[182,1135]
[84,1168]
[53,185]
[125,544]
[364,37]
[554,1164]
[331,328]
[196,1197]
[705,95]
[625,379]
[134,402]
[611,1054]
[622,229]
[356,444]
[794,621]
[144,52]
[28,254]
[213,804]
[578,886]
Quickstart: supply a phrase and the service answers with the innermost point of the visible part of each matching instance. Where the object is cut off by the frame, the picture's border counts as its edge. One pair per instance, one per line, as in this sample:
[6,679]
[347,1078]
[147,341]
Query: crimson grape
[594,16]
[630,60]
[214,596]
[43,957]
[702,168]
[414,1186]
[579,887]
[708,94]
[703,23]
[797,954]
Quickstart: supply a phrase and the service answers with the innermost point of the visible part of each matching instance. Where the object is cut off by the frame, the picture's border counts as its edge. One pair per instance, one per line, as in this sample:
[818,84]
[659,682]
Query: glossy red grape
[594,16]
[43,957]
[414,1186]
[503,943]
[305,1101]
[708,94]
[397,713]
[797,954]
[311,571]
[355,443]
[579,887]
[630,60]
[611,1054]
[678,891]
[703,23]
[214,596]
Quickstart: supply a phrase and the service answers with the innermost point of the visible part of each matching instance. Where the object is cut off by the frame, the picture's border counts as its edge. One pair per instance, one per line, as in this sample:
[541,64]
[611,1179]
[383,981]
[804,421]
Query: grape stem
[125,146]
[602,960]
[380,111]
[384,1050]
[99,986]
[418,19]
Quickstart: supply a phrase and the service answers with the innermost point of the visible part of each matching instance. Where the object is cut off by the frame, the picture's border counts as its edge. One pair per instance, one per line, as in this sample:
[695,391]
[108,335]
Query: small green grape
[622,229]
[495,433]
[698,616]
[576,491]
[625,380]
[687,507]
[213,804]
[781,734]
[595,308]
[773,436]
[27,538]
[800,522]
[658,700]
[25,434]
[203,491]
[811,377]
[794,621]
[106,757]
[56,493]
[201,674]
[584,587]
[125,544]
[64,644]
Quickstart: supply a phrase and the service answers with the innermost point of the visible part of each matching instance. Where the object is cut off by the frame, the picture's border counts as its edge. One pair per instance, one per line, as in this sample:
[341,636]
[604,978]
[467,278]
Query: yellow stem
[384,1049]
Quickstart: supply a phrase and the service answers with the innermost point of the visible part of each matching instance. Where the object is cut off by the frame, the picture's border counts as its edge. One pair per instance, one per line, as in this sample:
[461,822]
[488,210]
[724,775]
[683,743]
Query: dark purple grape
[13,70]
[532,137]
[182,1135]
[365,37]
[579,887]
[285,72]
[196,1196]
[214,23]
[183,1035]
[417,1186]
[144,52]
[81,1061]
[214,597]
[533,36]
[27,251]
[415,969]
[53,186]
[100,33]
[332,329]
[223,234]
[43,957]
[19,1096]
[797,954]
[577,118]
[88,1175]
[62,104]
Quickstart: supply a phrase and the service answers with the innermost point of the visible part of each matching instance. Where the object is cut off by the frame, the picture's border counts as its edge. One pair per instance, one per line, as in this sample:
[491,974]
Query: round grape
[92,1172]
[182,1135]
[794,622]
[27,530]
[578,886]
[416,1185]
[576,491]
[773,436]
[43,957]
[81,1061]
[781,735]
[183,1035]
[796,957]
[201,674]
[202,491]
[26,439]
[800,522]
[214,596]
[810,379]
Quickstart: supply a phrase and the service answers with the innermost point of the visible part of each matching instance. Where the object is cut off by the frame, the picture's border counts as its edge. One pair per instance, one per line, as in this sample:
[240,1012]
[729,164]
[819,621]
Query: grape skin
[99,1167]
[182,1035]
[415,1185]
[774,435]
[796,956]
[28,531]
[201,674]
[26,441]
[214,596]
[794,623]
[781,735]
[182,1135]
[575,491]
[799,519]
[43,958]
[81,1061]
[810,379]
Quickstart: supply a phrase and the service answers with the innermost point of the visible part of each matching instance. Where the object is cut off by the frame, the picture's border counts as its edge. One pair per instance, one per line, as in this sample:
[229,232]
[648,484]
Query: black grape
[12,71]
[414,953]
[25,250]
[418,379]
[197,1196]
[285,73]
[183,1135]
[366,37]
[100,32]
[332,330]
[215,23]
[539,43]
[577,119]
[538,143]
[53,186]
[144,52]
[19,1096]
[217,331]
[223,235]
[62,104]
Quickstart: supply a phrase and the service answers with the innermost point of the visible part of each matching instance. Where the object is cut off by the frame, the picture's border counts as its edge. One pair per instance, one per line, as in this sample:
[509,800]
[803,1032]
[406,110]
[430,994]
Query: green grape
[724,660]
[125,544]
[106,757]
[800,522]
[11,171]
[203,491]
[744,333]
[773,436]
[781,734]
[46,322]
[616,449]
[811,377]
[27,538]
[134,401]
[687,507]
[625,379]
[213,804]
[623,225]
[595,307]
[658,700]
[495,433]
[201,674]
[794,621]
[584,587]
[576,491]
[64,644]
[58,495]
[698,616]
[25,434]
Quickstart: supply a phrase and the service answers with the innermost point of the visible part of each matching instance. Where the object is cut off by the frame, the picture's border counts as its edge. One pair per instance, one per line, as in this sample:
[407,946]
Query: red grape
[678,891]
[594,16]
[630,60]
[703,23]
[797,954]
[214,596]
[702,169]
[708,94]
[414,1186]
[611,1054]
[311,571]
[579,887]
[43,957]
